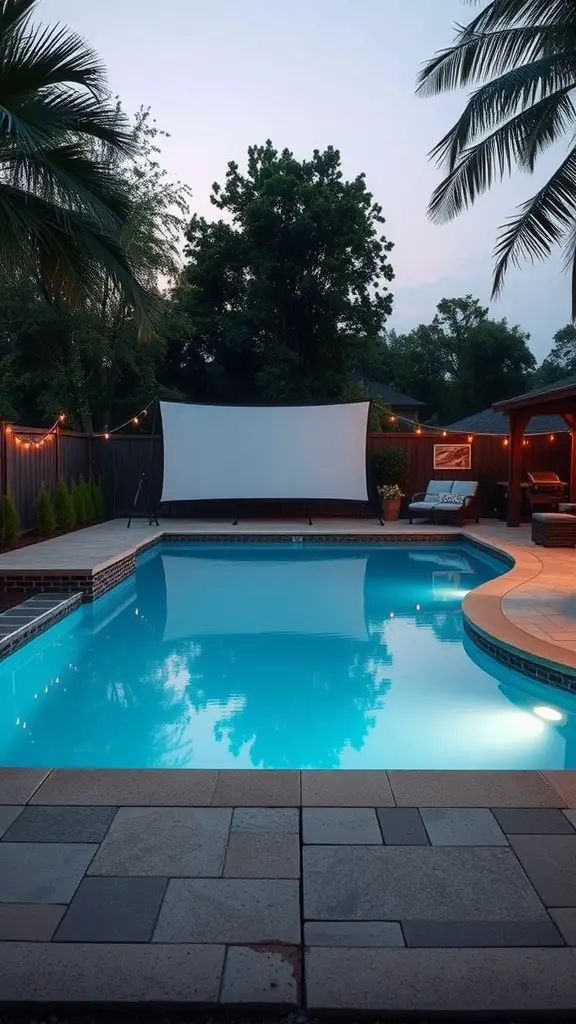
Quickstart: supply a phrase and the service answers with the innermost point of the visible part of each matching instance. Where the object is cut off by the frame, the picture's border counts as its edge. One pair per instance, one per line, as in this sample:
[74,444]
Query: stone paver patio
[399,891]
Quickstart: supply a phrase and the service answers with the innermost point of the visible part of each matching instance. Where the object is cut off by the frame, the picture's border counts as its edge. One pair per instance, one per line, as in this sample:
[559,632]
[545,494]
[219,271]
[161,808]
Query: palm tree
[522,56]
[61,209]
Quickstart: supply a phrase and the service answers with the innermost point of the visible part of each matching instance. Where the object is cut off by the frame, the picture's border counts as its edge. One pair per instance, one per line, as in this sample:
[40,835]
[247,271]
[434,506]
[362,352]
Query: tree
[561,361]
[462,362]
[277,295]
[522,56]
[61,210]
[93,362]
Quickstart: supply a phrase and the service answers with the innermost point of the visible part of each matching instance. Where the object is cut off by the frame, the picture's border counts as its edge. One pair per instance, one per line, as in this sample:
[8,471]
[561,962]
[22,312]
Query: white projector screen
[236,452]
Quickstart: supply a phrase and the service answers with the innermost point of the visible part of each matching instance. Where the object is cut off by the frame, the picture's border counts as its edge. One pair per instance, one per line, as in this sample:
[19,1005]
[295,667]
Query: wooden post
[570,419]
[3,460]
[57,453]
[518,423]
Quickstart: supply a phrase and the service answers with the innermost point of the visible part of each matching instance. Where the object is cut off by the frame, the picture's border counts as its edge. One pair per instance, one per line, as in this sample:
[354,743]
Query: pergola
[559,399]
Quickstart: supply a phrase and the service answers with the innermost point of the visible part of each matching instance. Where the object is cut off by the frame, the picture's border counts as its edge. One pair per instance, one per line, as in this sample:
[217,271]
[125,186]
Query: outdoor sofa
[451,500]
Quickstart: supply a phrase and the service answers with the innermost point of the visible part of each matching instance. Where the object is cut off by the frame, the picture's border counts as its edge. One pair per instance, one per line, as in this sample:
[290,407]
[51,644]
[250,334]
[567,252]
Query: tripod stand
[144,488]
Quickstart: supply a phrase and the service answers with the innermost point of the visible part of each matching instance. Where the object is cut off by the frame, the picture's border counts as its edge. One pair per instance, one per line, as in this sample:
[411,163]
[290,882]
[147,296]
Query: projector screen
[236,452]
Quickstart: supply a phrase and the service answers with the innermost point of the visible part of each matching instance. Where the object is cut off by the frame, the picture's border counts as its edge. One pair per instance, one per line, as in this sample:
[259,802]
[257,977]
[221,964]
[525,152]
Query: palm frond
[69,178]
[542,223]
[503,13]
[476,58]
[14,14]
[493,103]
[519,141]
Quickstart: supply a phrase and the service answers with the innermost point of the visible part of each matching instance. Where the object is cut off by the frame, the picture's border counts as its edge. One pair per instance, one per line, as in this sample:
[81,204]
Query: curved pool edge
[488,626]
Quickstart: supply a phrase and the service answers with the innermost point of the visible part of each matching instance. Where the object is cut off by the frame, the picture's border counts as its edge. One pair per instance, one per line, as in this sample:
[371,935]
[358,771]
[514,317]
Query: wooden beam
[518,423]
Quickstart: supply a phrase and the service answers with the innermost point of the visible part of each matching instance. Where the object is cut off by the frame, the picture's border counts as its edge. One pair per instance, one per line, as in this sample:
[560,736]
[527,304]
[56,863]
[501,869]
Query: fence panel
[120,461]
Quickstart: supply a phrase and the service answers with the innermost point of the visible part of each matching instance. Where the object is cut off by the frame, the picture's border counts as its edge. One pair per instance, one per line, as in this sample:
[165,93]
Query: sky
[220,75]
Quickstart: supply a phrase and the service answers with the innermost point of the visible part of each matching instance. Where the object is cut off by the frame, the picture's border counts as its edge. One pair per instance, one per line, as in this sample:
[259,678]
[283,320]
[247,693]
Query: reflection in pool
[280,656]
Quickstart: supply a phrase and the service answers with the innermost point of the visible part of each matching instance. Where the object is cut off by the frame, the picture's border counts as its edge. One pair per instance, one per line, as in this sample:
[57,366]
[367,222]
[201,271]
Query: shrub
[78,499]
[44,518]
[9,521]
[84,487]
[65,512]
[390,466]
[97,499]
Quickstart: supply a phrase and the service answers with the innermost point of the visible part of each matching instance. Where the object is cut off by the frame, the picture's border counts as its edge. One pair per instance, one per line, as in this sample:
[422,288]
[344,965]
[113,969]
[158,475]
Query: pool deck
[391,892]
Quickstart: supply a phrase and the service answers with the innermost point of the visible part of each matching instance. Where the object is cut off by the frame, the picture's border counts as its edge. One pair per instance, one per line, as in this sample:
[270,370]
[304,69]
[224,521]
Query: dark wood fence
[119,462]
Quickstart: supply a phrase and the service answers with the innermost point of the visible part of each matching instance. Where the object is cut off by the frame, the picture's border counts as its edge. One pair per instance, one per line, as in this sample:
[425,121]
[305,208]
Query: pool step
[24,621]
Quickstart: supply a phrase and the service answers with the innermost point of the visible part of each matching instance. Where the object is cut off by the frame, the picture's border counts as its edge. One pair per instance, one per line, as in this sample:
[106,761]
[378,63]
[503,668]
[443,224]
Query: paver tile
[29,922]
[426,981]
[8,814]
[18,784]
[254,788]
[61,825]
[42,872]
[462,826]
[346,789]
[460,934]
[564,783]
[113,910]
[340,825]
[262,855]
[394,883]
[532,820]
[111,787]
[266,819]
[402,826]
[75,972]
[565,920]
[472,789]
[165,841]
[353,933]
[550,863]
[253,975]
[230,910]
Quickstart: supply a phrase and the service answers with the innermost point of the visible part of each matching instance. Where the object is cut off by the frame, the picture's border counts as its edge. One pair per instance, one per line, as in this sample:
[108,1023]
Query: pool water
[280,656]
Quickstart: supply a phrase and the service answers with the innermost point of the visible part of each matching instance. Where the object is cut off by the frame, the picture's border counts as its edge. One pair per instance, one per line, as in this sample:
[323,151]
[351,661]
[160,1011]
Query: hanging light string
[421,428]
[22,439]
[133,421]
[27,441]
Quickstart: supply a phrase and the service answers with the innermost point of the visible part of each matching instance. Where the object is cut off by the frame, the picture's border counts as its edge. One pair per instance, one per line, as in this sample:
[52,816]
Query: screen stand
[144,488]
[235,523]
[308,514]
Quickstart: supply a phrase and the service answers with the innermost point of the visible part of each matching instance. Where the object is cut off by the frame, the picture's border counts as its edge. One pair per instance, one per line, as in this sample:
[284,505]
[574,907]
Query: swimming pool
[281,655]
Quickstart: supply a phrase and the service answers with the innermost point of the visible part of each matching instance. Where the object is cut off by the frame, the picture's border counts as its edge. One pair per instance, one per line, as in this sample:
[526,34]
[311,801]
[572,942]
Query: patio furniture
[554,529]
[422,503]
[462,505]
[451,497]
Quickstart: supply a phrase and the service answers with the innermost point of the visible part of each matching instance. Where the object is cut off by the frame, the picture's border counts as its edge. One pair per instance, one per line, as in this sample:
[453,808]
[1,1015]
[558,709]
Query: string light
[470,438]
[552,438]
[505,442]
[443,432]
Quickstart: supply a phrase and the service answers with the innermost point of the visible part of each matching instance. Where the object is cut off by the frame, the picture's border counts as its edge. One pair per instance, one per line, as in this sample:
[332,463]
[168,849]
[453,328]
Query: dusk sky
[220,75]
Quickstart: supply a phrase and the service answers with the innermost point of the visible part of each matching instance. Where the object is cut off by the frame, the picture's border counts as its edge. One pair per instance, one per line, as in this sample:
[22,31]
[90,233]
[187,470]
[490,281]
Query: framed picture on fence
[452,456]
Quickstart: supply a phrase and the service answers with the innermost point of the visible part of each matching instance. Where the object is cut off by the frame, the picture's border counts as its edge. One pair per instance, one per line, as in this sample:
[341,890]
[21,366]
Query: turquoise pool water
[280,656]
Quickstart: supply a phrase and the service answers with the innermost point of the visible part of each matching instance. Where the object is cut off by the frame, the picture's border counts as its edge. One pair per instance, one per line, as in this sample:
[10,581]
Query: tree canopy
[280,290]
[62,205]
[520,58]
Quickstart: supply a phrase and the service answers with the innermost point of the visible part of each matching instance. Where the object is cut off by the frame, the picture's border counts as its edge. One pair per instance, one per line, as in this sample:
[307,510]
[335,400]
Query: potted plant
[390,500]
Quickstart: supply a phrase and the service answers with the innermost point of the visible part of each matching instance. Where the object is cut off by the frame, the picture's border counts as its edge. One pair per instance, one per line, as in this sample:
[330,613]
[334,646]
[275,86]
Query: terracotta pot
[390,508]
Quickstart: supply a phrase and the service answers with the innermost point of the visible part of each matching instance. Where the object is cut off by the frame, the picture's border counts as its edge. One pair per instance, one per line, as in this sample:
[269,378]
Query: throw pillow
[451,499]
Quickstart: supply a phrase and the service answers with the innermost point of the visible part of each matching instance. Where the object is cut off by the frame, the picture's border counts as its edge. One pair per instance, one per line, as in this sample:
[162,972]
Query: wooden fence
[119,461]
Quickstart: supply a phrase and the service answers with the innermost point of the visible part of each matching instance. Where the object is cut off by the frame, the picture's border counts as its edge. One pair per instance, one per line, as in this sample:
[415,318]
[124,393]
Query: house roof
[541,396]
[491,422]
[388,395]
